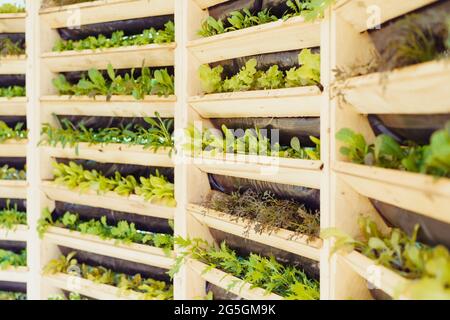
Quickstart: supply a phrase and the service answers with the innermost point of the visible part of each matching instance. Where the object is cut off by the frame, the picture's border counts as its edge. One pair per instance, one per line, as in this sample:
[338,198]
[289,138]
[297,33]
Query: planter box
[291,102]
[13,106]
[281,239]
[13,189]
[18,233]
[13,148]
[152,55]
[208,3]
[12,22]
[13,64]
[19,274]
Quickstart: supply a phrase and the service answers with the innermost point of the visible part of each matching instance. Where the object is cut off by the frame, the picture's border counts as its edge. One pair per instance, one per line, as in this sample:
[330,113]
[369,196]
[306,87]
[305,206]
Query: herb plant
[16,133]
[11,8]
[10,48]
[10,217]
[72,296]
[7,173]
[12,92]
[8,295]
[147,289]
[10,259]
[262,272]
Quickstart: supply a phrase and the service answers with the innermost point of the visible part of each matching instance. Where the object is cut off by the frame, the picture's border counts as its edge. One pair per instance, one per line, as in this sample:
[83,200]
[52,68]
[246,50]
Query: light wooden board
[224,280]
[13,64]
[152,55]
[110,200]
[19,274]
[13,148]
[281,239]
[17,233]
[137,253]
[203,4]
[291,102]
[12,22]
[105,11]
[13,106]
[13,189]
[417,89]
[271,37]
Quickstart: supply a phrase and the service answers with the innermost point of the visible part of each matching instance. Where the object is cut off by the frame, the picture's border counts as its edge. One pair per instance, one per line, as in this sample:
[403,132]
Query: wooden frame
[13,65]
[12,22]
[18,233]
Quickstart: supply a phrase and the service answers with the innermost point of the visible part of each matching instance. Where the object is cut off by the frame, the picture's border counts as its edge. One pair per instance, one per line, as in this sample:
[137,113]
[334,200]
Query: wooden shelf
[203,4]
[137,253]
[418,89]
[281,239]
[419,193]
[291,102]
[19,274]
[356,12]
[18,233]
[13,189]
[118,106]
[277,36]
[13,148]
[116,153]
[305,173]
[224,280]
[109,200]
[12,22]
[105,11]
[152,55]
[88,288]
[13,106]
[13,64]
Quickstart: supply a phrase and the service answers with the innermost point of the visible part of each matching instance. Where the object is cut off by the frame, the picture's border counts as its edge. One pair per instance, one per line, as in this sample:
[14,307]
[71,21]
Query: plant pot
[14,246]
[13,286]
[118,265]
[7,80]
[227,184]
[403,128]
[245,247]
[20,203]
[432,232]
[130,27]
[288,128]
[17,163]
[144,223]
[220,293]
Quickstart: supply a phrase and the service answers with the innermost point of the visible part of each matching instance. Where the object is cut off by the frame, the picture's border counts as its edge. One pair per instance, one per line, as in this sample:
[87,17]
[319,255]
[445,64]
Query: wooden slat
[418,89]
[152,55]
[105,11]
[137,253]
[19,274]
[109,200]
[203,4]
[116,153]
[12,22]
[13,189]
[13,148]
[224,280]
[118,106]
[360,15]
[13,65]
[13,106]
[18,233]
[282,239]
[292,102]
[271,37]
[419,193]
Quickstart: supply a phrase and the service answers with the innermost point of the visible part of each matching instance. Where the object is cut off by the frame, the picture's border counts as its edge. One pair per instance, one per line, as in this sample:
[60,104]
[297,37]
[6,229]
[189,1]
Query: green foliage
[11,8]
[123,232]
[12,92]
[10,217]
[7,295]
[311,9]
[153,189]
[72,296]
[429,267]
[250,78]
[433,159]
[95,83]
[261,272]
[158,135]
[7,173]
[146,288]
[16,133]
[10,259]
[10,48]
[245,19]
[252,142]
[119,39]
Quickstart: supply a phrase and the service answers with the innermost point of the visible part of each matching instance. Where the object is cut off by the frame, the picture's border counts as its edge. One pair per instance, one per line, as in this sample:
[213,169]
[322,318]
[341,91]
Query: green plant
[310,9]
[433,159]
[10,259]
[10,48]
[72,296]
[262,272]
[145,288]
[7,295]
[12,91]
[309,72]
[11,8]
[428,267]
[153,189]
[10,217]
[16,133]
[7,173]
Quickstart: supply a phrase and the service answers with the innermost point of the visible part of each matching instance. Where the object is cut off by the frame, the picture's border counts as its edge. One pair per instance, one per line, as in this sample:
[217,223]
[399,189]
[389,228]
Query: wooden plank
[12,22]
[277,36]
[13,148]
[13,189]
[116,153]
[13,106]
[137,253]
[152,55]
[18,233]
[13,65]
[419,193]
[109,200]
[118,106]
[19,274]
[368,14]
[291,102]
[417,89]
[231,283]
[282,239]
[204,4]
[104,11]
